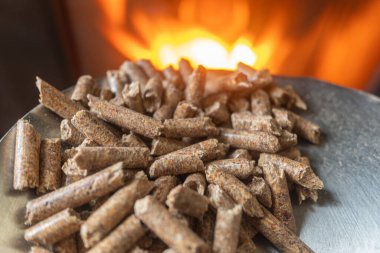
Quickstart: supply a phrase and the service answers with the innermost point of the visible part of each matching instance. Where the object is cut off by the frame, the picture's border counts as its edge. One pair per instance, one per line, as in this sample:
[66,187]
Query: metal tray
[346,217]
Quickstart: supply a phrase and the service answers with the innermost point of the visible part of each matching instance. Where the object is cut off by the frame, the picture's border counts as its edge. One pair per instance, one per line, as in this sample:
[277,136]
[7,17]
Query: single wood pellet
[27,161]
[191,127]
[240,168]
[85,85]
[185,110]
[50,165]
[185,70]
[54,228]
[70,134]
[175,234]
[135,73]
[249,122]
[152,94]
[133,98]
[261,190]
[260,103]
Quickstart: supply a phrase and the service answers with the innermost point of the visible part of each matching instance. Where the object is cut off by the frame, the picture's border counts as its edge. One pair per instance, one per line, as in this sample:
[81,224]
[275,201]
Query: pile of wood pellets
[185,161]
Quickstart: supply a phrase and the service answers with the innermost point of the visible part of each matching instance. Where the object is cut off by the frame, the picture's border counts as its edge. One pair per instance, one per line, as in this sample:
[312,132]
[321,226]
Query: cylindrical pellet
[261,190]
[176,165]
[260,103]
[284,118]
[27,151]
[152,94]
[95,129]
[240,168]
[227,227]
[50,165]
[236,189]
[117,207]
[163,185]
[187,201]
[123,238]
[306,129]
[192,127]
[249,122]
[67,245]
[133,98]
[163,146]
[56,101]
[299,173]
[196,182]
[54,228]
[175,234]
[134,72]
[185,70]
[124,117]
[70,134]
[196,86]
[255,141]
[85,85]
[207,150]
[75,194]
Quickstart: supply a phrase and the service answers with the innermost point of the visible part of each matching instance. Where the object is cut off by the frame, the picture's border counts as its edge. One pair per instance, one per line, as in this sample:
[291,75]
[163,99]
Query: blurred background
[59,40]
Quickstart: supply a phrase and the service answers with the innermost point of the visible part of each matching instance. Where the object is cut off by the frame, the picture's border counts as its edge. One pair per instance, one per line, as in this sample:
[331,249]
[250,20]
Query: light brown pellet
[114,210]
[123,238]
[70,134]
[282,205]
[236,189]
[185,70]
[218,112]
[90,159]
[27,151]
[158,219]
[260,103]
[132,140]
[280,96]
[196,182]
[249,122]
[38,249]
[173,95]
[54,228]
[135,73]
[238,104]
[192,127]
[278,234]
[255,141]
[163,185]
[227,227]
[261,190]
[75,194]
[240,168]
[176,165]
[114,82]
[153,94]
[302,192]
[284,118]
[95,129]
[148,68]
[50,165]
[287,139]
[85,85]
[185,110]
[124,117]
[234,82]
[132,96]
[196,86]
[299,173]
[56,101]
[67,245]
[164,112]
[241,154]
[306,129]
[162,146]
[187,201]
[207,150]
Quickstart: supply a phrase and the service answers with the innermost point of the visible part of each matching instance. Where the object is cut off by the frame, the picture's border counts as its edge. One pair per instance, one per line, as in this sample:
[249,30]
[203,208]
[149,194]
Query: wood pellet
[184,160]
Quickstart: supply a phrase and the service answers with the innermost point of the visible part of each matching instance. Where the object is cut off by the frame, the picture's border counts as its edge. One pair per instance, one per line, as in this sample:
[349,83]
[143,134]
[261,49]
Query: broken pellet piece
[124,117]
[236,189]
[115,83]
[27,151]
[114,210]
[241,154]
[187,201]
[298,101]
[280,96]
[56,101]
[227,227]
[152,94]
[135,73]
[85,85]
[75,194]
[158,219]
[240,168]
[284,118]
[196,182]
[163,185]
[70,134]
[282,205]
[67,245]
[249,122]
[255,141]
[95,129]
[132,96]
[192,127]
[54,228]
[260,103]
[261,190]
[50,165]
[132,140]
[259,78]
[176,165]
[122,238]
[302,192]
[196,86]
[185,110]
[162,146]
[299,173]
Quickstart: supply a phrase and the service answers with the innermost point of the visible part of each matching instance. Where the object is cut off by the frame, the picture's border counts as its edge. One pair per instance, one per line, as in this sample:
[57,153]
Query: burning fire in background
[330,40]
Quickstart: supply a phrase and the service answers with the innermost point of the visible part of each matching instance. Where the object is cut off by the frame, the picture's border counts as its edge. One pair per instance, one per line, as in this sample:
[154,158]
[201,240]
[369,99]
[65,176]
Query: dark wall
[30,45]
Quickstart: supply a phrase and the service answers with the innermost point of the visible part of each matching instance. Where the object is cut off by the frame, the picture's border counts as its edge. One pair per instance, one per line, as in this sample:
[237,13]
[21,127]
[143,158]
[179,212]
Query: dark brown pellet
[50,165]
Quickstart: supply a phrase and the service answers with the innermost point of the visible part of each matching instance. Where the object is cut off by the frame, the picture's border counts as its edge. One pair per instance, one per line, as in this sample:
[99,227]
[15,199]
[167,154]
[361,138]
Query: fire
[166,41]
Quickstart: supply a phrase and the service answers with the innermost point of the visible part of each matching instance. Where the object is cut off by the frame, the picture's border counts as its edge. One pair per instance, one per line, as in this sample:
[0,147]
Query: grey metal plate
[346,217]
